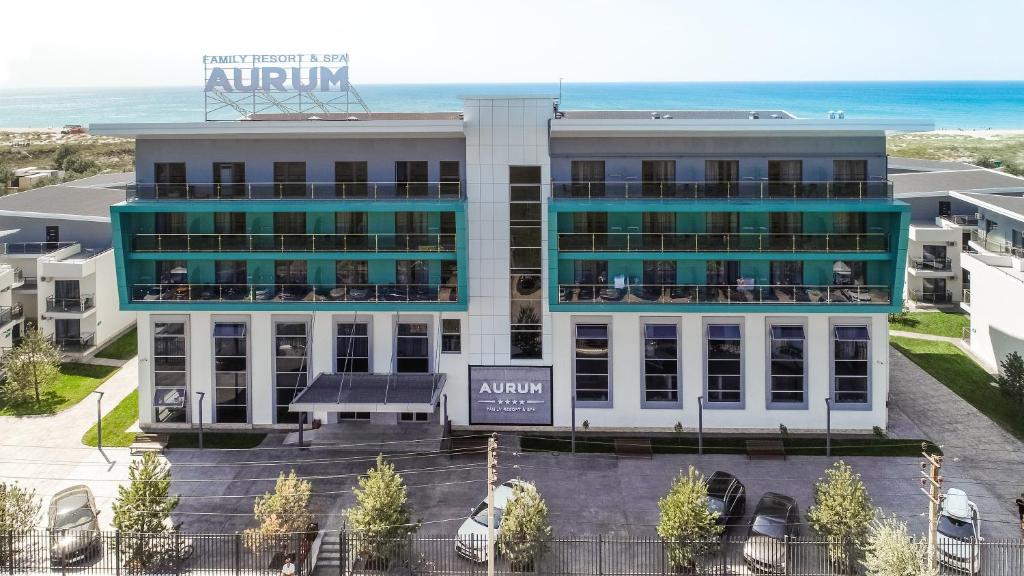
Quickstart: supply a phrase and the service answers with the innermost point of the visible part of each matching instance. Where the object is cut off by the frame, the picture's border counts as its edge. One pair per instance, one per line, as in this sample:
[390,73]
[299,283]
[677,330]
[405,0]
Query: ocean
[951,105]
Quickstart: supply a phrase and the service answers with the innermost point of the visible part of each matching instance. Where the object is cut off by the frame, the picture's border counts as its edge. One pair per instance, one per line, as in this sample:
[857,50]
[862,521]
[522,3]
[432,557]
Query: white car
[471,541]
[959,533]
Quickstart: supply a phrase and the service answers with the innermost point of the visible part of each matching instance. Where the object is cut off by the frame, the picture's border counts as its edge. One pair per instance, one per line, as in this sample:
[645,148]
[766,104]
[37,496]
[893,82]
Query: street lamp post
[573,433]
[201,396]
[828,426]
[700,425]
[99,419]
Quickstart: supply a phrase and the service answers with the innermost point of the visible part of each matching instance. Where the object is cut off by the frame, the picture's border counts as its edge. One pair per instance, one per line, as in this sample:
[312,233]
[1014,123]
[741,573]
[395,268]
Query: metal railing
[11,313]
[709,242]
[931,264]
[931,297]
[19,276]
[30,248]
[722,294]
[967,296]
[78,343]
[996,244]
[295,292]
[756,190]
[295,190]
[29,282]
[961,219]
[82,303]
[294,242]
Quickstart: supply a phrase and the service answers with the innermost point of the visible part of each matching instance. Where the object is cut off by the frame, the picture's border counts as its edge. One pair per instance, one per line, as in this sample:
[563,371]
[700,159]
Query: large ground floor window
[231,372]
[851,365]
[661,364]
[591,363]
[724,364]
[412,345]
[352,347]
[291,366]
[786,365]
[170,372]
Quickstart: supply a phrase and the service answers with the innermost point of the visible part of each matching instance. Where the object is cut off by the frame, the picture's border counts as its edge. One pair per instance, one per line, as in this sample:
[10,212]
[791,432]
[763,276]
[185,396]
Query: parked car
[72,129]
[728,497]
[74,526]
[959,532]
[471,541]
[775,519]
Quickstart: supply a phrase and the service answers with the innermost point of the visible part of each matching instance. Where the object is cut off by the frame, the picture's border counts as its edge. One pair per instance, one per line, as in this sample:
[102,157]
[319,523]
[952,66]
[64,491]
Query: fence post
[177,553]
[117,552]
[600,554]
[10,551]
[342,550]
[238,553]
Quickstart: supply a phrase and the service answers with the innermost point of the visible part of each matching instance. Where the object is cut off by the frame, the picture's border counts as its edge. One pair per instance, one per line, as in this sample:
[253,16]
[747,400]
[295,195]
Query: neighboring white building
[511,264]
[56,241]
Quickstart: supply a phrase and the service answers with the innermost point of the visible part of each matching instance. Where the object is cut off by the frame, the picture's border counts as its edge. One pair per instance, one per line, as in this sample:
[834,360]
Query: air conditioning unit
[44,279]
[951,243]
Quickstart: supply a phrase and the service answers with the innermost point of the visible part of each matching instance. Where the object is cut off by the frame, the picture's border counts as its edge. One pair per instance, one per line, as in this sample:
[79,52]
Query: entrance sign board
[510,395]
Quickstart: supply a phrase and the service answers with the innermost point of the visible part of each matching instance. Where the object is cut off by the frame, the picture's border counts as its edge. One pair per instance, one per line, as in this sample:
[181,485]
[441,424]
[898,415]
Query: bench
[633,447]
[766,450]
[148,443]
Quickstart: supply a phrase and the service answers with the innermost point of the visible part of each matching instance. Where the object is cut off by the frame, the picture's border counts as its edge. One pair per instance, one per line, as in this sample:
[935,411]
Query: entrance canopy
[370,393]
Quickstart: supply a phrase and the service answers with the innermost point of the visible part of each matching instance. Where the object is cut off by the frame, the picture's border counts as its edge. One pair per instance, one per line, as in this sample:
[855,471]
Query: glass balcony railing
[30,248]
[79,343]
[966,220]
[931,297]
[82,303]
[722,294]
[296,190]
[11,313]
[295,293]
[294,242]
[996,244]
[931,264]
[29,282]
[750,190]
[703,242]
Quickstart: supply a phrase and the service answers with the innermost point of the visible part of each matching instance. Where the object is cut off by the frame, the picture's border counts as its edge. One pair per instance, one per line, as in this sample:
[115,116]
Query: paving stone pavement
[980,457]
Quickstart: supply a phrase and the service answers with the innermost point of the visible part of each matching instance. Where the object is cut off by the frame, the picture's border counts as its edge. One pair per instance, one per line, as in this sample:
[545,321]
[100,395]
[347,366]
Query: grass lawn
[75,383]
[116,424]
[937,323]
[124,348]
[803,446]
[949,365]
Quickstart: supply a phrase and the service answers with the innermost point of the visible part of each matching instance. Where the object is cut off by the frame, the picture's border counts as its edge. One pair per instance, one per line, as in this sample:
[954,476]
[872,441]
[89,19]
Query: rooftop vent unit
[352,118]
[831,114]
[753,115]
[840,114]
[776,116]
[655,116]
[667,117]
[314,118]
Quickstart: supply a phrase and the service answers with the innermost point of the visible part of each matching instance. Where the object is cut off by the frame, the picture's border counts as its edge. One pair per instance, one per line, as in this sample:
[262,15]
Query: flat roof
[715,123]
[356,116]
[670,114]
[375,127]
[1011,206]
[86,199]
[901,165]
[943,181]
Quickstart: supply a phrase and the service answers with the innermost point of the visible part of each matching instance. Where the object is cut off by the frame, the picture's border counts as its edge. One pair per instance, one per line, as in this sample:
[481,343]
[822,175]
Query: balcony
[996,244]
[745,190]
[294,242]
[10,314]
[259,293]
[32,248]
[79,305]
[723,294]
[962,220]
[297,191]
[703,242]
[18,279]
[74,344]
[931,297]
[931,264]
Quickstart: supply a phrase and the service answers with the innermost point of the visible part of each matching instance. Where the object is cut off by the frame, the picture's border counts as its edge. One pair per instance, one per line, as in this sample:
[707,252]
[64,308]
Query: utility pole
[492,479]
[931,485]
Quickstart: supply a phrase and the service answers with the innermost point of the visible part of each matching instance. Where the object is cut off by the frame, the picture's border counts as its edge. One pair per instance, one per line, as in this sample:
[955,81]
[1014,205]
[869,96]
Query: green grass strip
[936,323]
[116,424]
[125,347]
[76,381]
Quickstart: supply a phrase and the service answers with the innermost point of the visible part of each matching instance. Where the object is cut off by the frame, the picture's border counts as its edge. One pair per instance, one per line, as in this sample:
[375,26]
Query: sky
[73,43]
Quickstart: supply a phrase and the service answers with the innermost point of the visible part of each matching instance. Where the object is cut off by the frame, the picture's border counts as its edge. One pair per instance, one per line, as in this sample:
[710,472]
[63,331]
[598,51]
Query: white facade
[934,273]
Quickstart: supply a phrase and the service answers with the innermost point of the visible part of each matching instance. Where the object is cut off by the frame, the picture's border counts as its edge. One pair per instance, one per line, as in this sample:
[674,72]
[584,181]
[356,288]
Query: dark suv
[728,497]
[776,519]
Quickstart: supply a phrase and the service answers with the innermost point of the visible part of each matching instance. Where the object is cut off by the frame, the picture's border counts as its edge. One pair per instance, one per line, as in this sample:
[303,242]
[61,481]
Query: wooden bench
[148,443]
[766,450]
[633,447]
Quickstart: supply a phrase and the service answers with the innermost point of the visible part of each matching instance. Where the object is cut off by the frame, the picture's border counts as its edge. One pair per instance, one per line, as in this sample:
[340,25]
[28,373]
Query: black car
[775,520]
[728,497]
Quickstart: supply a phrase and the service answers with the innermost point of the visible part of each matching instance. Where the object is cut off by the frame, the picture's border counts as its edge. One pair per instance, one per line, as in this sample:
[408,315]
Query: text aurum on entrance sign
[510,395]
[277,73]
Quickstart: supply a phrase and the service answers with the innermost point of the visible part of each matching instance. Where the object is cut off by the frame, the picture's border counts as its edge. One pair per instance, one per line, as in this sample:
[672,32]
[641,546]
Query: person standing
[289,566]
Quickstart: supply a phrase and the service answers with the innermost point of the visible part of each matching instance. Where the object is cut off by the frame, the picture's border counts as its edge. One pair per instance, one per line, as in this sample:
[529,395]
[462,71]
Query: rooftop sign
[242,86]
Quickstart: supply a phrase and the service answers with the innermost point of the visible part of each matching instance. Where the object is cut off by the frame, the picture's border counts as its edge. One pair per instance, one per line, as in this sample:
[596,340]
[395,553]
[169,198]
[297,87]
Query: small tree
[381,517]
[687,524]
[282,513]
[892,551]
[842,513]
[32,366]
[6,174]
[19,511]
[143,508]
[525,530]
[1011,378]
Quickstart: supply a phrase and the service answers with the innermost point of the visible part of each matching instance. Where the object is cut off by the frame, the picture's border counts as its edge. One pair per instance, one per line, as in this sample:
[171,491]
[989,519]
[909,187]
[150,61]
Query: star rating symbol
[512,402]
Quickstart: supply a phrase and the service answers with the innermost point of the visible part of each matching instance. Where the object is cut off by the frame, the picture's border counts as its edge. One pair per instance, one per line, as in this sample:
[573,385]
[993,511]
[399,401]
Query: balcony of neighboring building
[926,266]
[10,314]
[935,297]
[78,305]
[187,191]
[966,221]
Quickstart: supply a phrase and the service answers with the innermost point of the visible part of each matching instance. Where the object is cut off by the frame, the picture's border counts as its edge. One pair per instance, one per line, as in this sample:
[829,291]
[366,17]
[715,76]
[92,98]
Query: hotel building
[514,264]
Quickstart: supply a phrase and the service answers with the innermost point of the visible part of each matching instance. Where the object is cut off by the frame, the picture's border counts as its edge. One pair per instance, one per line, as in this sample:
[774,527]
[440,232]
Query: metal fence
[113,553]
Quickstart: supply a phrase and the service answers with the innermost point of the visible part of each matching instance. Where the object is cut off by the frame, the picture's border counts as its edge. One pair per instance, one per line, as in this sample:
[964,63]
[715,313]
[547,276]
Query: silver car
[74,526]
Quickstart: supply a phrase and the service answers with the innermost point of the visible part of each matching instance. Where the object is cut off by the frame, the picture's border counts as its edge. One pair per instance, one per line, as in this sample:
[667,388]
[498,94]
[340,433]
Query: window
[170,223]
[229,179]
[722,272]
[661,363]
[934,256]
[349,272]
[412,345]
[291,366]
[414,417]
[655,173]
[230,272]
[290,179]
[724,364]
[850,177]
[851,364]
[171,271]
[587,178]
[786,222]
[350,223]
[526,308]
[722,177]
[451,179]
[350,179]
[451,335]
[722,222]
[169,178]
[659,223]
[353,415]
[411,222]
[590,222]
[659,272]
[352,348]
[783,177]
[411,178]
[290,272]
[170,372]
[787,369]
[289,222]
[945,208]
[591,365]
[849,223]
[230,372]
[411,272]
[229,222]
[590,271]
[787,273]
